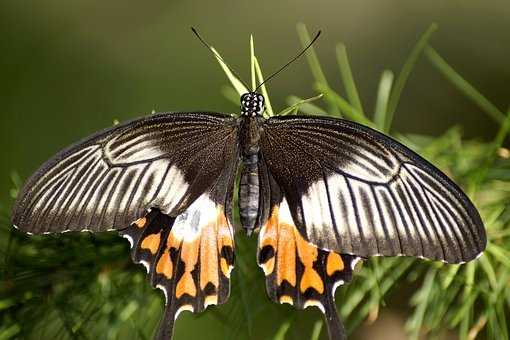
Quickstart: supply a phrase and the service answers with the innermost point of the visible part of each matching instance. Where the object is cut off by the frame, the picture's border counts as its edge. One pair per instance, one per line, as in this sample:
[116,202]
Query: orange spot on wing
[269,231]
[208,256]
[286,255]
[225,238]
[186,285]
[165,265]
[141,222]
[268,266]
[308,255]
[189,255]
[269,237]
[225,267]
[151,243]
[172,241]
[311,279]
[334,263]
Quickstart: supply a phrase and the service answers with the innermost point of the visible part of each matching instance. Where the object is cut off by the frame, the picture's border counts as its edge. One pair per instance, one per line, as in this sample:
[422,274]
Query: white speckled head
[252,104]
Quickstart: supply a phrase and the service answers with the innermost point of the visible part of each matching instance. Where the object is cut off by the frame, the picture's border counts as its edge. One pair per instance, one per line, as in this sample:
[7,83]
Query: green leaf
[316,68]
[500,254]
[465,87]
[298,104]
[236,83]
[252,64]
[269,109]
[306,107]
[347,78]
[415,323]
[383,95]
[9,332]
[316,331]
[350,111]
[487,267]
[282,331]
[498,142]
[404,75]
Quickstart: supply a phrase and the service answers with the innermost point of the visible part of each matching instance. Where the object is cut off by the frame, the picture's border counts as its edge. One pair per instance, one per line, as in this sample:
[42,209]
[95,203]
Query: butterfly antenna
[216,54]
[291,61]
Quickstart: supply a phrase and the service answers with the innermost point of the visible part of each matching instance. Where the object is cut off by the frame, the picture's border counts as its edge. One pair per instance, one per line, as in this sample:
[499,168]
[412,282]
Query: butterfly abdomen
[249,192]
[249,186]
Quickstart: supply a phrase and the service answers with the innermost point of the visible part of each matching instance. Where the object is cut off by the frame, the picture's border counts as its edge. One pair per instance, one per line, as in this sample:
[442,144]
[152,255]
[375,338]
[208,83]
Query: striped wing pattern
[112,178]
[353,190]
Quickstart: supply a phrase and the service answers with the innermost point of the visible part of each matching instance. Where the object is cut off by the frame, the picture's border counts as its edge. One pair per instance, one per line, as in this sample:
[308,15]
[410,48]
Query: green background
[69,68]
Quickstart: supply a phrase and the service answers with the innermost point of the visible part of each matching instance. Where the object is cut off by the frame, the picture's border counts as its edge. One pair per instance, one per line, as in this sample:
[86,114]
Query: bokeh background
[69,68]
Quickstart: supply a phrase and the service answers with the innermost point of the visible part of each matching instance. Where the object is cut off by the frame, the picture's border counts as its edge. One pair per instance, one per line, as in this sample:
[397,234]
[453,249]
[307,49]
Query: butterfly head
[252,104]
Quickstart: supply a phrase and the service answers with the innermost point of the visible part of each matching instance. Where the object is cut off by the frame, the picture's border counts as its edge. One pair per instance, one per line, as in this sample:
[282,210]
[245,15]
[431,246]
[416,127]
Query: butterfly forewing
[353,190]
[109,180]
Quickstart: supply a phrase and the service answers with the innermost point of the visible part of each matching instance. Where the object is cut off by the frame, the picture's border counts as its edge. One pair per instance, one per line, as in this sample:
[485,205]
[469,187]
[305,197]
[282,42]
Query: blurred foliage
[85,286]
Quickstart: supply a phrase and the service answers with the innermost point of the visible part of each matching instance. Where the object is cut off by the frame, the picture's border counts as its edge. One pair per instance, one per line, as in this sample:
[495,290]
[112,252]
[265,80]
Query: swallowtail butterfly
[322,193]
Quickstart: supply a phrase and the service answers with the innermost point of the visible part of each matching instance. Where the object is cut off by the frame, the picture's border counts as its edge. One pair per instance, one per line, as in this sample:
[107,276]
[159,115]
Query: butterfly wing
[112,178]
[189,257]
[297,271]
[165,182]
[355,191]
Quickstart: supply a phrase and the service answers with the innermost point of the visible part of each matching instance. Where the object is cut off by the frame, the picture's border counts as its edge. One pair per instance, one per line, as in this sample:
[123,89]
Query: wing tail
[334,324]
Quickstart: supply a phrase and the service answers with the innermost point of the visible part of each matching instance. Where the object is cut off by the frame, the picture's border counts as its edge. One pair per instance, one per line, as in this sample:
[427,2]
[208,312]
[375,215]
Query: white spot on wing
[316,210]
[188,225]
[335,286]
[183,308]
[354,262]
[174,187]
[164,292]
[210,300]
[314,303]
[146,265]
[284,213]
[129,238]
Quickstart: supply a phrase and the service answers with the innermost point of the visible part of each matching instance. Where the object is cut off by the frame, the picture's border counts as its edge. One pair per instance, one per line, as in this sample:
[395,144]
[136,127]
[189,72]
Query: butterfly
[321,193]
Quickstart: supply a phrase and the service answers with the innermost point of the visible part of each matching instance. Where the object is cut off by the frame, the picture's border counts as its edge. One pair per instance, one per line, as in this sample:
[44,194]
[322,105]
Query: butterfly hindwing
[189,257]
[353,190]
[299,273]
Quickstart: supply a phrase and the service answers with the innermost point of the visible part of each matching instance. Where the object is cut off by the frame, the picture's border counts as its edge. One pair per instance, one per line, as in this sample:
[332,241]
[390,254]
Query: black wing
[110,179]
[353,190]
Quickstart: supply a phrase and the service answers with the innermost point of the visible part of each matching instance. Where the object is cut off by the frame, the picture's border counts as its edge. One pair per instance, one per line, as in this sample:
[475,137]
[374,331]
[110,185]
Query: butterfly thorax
[252,106]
